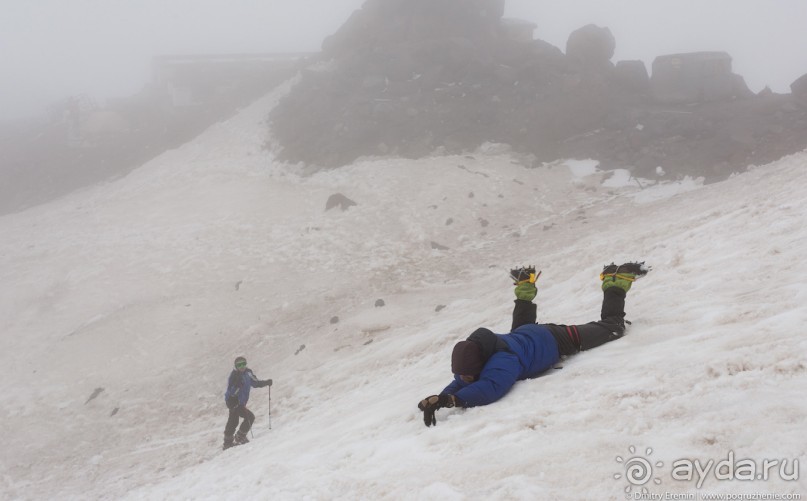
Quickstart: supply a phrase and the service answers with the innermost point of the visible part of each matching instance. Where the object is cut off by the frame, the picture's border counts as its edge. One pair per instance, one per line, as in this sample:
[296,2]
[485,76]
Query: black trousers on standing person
[236,413]
[575,338]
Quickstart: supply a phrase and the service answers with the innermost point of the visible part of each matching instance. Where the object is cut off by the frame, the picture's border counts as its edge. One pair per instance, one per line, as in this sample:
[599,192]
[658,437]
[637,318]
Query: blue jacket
[239,384]
[530,350]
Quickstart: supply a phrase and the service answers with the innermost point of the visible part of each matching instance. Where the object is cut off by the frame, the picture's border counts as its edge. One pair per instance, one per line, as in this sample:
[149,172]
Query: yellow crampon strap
[533,278]
[629,278]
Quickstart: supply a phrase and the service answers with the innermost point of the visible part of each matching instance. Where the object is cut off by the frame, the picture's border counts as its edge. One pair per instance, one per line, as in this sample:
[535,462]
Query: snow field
[149,286]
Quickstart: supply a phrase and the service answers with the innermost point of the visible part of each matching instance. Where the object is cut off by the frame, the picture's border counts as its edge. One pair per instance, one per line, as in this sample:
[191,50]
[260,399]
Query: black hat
[466,359]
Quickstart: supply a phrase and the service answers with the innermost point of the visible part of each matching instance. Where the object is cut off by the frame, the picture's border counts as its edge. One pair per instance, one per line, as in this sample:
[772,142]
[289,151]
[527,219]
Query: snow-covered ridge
[149,286]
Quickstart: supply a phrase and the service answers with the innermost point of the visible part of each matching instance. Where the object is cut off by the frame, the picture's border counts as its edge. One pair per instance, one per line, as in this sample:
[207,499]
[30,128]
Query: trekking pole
[269,392]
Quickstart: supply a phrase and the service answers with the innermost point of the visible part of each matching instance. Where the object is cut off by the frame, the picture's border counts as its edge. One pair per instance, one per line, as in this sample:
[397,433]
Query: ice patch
[582,168]
[666,190]
[619,179]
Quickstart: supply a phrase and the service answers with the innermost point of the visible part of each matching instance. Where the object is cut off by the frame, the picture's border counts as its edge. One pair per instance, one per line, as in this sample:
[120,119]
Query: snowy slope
[149,286]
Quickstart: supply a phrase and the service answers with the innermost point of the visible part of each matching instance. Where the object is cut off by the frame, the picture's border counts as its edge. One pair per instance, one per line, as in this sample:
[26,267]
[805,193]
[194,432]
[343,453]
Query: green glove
[526,291]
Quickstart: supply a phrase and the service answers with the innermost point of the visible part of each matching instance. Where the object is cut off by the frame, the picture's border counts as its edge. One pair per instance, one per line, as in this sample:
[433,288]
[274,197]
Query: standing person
[487,365]
[241,380]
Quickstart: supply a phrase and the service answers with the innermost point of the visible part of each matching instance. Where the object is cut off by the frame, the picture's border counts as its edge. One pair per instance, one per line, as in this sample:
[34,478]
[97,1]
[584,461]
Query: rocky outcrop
[414,77]
[698,77]
[799,89]
[591,47]
[409,78]
[382,24]
[631,76]
[339,200]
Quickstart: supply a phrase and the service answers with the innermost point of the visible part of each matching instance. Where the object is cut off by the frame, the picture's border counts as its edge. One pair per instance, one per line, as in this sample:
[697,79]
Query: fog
[50,49]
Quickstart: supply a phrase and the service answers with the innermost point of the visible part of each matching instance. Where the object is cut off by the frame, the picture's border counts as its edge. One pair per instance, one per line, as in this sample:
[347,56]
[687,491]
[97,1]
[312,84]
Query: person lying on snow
[487,365]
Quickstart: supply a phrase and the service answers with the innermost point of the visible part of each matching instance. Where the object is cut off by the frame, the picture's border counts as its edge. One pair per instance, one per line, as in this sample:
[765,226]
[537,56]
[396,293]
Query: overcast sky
[53,48]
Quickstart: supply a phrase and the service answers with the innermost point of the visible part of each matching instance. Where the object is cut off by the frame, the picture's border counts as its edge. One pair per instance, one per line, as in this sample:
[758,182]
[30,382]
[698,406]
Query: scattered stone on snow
[339,200]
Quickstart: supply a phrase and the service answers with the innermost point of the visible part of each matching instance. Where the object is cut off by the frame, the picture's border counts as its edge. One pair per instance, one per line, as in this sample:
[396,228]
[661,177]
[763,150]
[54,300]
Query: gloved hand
[268,382]
[232,402]
[526,291]
[430,404]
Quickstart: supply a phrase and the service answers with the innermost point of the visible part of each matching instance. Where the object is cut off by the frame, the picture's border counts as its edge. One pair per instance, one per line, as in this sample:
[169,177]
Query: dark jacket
[524,313]
[238,386]
[526,352]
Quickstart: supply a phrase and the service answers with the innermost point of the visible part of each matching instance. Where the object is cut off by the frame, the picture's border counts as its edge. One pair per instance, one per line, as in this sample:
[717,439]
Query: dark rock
[339,200]
[632,76]
[799,89]
[591,45]
[439,307]
[437,246]
[740,88]
[334,320]
[385,23]
[379,303]
[766,92]
[517,30]
[94,394]
[696,77]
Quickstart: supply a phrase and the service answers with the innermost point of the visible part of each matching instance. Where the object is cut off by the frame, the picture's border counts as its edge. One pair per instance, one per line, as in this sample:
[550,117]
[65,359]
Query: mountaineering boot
[241,438]
[228,442]
[524,274]
[622,276]
[524,279]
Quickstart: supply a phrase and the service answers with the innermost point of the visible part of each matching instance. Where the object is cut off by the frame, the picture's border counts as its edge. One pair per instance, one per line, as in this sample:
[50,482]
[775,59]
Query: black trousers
[236,413]
[582,337]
